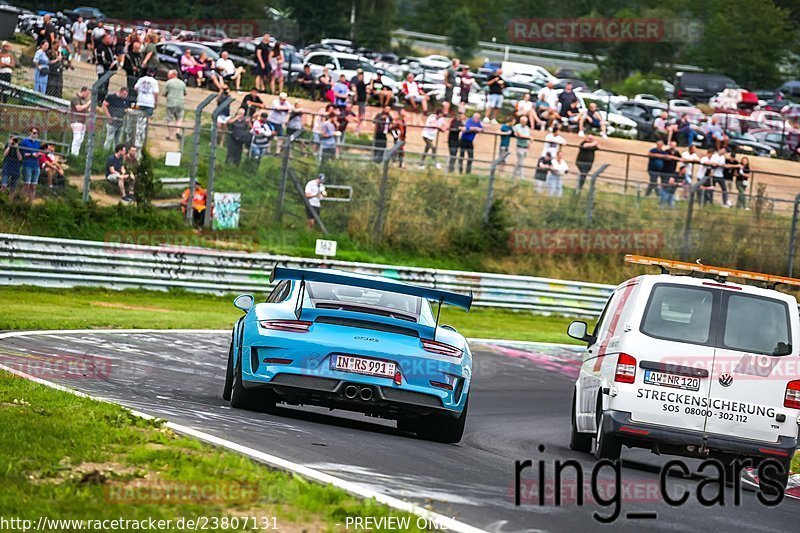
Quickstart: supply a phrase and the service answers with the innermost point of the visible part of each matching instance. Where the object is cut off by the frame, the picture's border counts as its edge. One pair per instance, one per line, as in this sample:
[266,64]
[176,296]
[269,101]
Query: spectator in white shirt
[689,158]
[79,30]
[553,142]
[146,94]
[228,70]
[549,95]
[314,192]
[414,94]
[558,168]
[433,125]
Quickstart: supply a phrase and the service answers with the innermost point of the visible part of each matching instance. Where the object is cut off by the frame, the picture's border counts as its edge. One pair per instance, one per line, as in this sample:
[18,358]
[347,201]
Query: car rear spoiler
[453,298]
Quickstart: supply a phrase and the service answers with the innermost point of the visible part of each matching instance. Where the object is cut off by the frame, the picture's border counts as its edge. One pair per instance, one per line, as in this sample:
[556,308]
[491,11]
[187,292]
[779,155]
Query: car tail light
[276,361]
[626,369]
[398,378]
[441,348]
[792,397]
[297,326]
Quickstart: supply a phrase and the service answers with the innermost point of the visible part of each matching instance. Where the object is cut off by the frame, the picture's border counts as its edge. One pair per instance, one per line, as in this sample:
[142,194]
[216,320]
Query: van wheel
[580,442]
[772,478]
[607,447]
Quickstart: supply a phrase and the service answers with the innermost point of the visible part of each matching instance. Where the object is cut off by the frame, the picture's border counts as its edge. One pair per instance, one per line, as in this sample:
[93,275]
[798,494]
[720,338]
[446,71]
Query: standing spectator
[150,62]
[7,63]
[414,94]
[732,167]
[542,170]
[229,71]
[704,188]
[90,26]
[262,134]
[327,138]
[294,126]
[382,121]
[41,65]
[433,125]
[78,107]
[279,114]
[585,158]
[314,192]
[553,141]
[252,102]
[360,92]
[238,127]
[465,86]
[449,85]
[276,67]
[565,99]
[98,34]
[742,177]
[494,101]
[30,148]
[114,106]
[671,159]
[346,117]
[595,120]
[506,132]
[46,32]
[666,193]
[398,131]
[523,135]
[262,67]
[105,60]
[55,80]
[132,65]
[655,166]
[453,138]
[717,163]
[12,164]
[174,92]
[79,30]
[340,92]
[147,94]
[307,82]
[116,173]
[472,127]
[555,178]
[224,115]
[689,160]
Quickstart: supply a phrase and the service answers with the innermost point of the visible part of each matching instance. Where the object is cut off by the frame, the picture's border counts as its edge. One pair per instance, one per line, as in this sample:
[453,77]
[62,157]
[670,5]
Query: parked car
[683,107]
[643,113]
[603,94]
[746,143]
[85,12]
[699,87]
[791,89]
[435,62]
[347,64]
[770,119]
[617,124]
[577,85]
[784,143]
[170,52]
[647,97]
[339,45]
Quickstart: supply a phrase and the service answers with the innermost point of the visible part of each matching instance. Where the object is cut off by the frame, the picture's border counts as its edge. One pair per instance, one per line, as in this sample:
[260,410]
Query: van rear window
[758,325]
[679,313]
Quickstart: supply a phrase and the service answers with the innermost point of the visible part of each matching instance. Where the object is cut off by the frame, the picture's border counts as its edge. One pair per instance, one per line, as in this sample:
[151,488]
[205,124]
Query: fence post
[487,206]
[687,227]
[198,117]
[590,197]
[285,158]
[793,237]
[627,172]
[387,157]
[223,106]
[92,118]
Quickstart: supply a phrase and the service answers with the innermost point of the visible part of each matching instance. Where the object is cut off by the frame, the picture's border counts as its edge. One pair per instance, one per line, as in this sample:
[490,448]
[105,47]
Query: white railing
[49,262]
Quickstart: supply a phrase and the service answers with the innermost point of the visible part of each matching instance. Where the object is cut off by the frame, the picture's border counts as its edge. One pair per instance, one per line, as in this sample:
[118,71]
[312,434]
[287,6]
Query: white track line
[444,522]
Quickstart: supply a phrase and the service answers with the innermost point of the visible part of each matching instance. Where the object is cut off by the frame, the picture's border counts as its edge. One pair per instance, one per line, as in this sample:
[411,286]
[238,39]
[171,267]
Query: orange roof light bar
[717,271]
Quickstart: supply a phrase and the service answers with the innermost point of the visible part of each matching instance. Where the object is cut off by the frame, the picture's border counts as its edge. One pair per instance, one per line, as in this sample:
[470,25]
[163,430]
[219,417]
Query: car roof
[683,279]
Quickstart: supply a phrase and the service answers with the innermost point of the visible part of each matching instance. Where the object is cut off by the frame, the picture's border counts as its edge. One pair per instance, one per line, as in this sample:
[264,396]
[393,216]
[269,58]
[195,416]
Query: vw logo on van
[725,380]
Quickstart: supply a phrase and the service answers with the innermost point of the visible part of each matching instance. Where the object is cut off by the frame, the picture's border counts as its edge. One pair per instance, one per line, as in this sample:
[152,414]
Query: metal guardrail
[49,262]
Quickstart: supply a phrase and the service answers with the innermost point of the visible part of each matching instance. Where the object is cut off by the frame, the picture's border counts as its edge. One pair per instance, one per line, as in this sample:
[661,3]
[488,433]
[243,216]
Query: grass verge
[73,458]
[83,308]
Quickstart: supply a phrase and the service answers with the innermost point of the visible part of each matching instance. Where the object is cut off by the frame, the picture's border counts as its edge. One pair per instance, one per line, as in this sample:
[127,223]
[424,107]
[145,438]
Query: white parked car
[616,123]
[603,95]
[648,97]
[347,64]
[693,365]
[434,62]
[683,107]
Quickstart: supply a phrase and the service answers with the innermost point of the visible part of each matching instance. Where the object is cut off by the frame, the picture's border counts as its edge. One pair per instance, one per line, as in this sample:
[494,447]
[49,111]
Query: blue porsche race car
[355,342]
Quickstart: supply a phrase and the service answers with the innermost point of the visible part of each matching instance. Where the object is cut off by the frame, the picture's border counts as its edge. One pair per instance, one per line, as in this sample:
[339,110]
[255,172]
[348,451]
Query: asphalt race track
[520,400]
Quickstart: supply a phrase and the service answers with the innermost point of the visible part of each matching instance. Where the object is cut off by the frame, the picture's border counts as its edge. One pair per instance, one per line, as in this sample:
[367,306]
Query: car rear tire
[607,447]
[443,428]
[772,477]
[580,442]
[226,391]
[252,400]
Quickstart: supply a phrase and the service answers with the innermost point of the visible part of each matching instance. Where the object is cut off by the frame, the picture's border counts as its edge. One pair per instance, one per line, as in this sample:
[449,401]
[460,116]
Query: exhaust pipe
[366,394]
[350,392]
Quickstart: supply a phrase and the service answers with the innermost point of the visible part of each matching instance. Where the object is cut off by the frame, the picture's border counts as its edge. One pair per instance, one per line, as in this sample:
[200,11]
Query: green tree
[463,33]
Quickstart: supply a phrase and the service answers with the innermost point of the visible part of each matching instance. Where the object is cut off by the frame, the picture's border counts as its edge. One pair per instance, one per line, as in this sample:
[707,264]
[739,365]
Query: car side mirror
[244,302]
[330,66]
[577,330]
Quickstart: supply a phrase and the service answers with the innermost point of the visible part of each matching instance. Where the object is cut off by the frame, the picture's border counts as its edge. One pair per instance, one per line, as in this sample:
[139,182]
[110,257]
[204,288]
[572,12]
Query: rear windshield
[357,296]
[720,318]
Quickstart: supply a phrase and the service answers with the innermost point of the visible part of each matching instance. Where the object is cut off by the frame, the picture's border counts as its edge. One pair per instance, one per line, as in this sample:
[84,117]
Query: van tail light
[297,326]
[441,348]
[792,397]
[626,369]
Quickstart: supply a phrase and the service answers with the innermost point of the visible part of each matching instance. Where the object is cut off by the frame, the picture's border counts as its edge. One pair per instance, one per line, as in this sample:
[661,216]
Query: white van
[692,365]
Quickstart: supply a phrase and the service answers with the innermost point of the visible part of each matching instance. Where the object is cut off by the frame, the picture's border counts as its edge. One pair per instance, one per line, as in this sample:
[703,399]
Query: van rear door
[753,362]
[677,351]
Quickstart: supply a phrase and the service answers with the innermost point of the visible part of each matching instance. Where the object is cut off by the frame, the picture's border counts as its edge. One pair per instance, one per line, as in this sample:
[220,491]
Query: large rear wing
[453,298]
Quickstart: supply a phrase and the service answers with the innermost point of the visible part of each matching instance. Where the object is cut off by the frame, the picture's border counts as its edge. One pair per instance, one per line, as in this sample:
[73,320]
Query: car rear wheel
[443,428]
[580,442]
[253,400]
[773,476]
[226,391]
[607,447]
